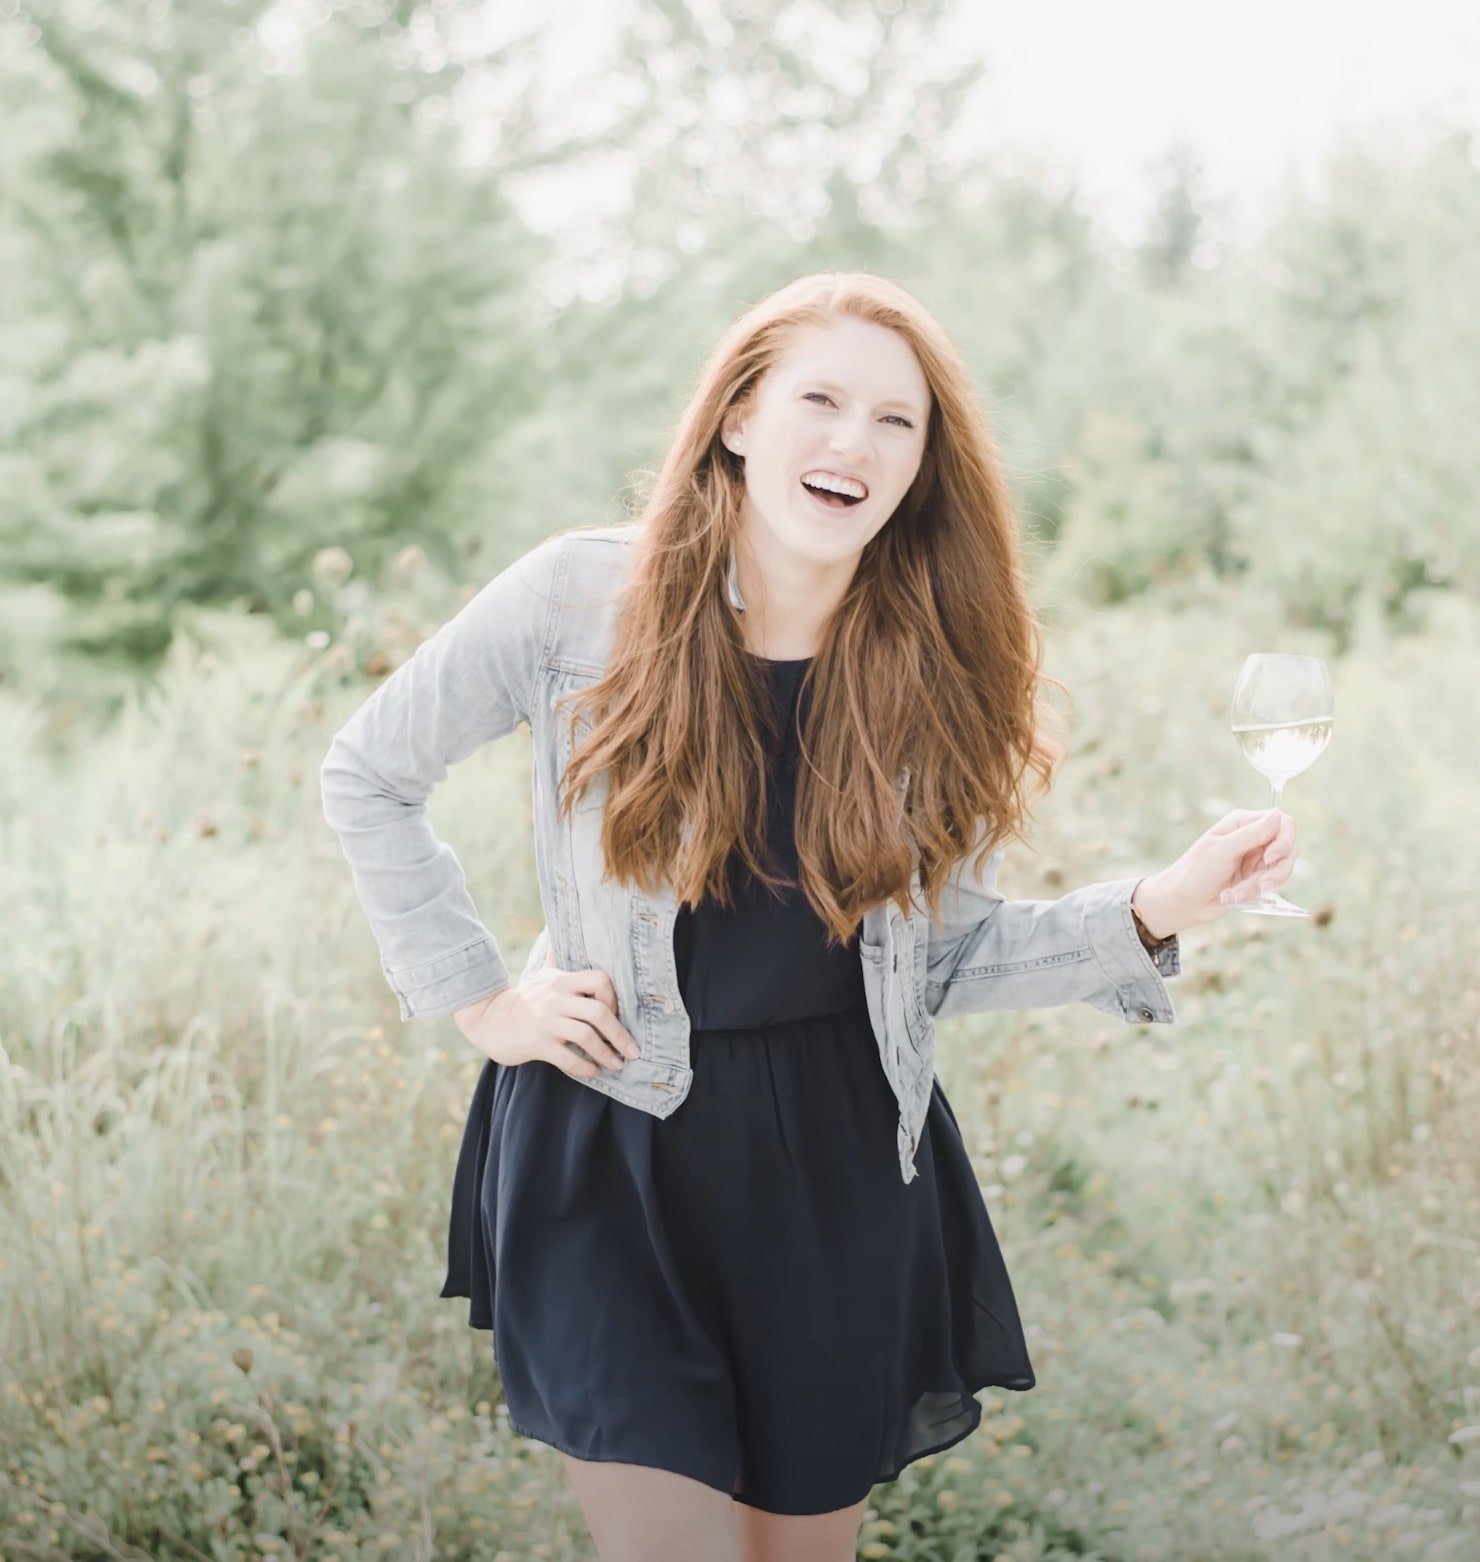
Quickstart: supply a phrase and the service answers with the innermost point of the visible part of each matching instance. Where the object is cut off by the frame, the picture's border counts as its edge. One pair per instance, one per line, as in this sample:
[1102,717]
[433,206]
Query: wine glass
[1282,712]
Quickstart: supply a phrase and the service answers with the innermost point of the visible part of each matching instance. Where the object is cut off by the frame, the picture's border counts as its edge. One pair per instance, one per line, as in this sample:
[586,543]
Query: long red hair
[931,660]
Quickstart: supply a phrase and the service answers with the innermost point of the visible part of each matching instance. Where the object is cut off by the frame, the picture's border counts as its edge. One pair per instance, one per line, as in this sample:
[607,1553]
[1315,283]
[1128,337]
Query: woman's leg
[639,1514]
[812,1537]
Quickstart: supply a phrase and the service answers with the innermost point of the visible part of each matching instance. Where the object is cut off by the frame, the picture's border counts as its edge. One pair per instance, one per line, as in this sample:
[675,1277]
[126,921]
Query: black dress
[745,1292]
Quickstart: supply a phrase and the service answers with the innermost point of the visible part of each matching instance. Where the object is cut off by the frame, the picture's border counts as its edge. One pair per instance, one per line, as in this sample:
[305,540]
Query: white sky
[1261,90]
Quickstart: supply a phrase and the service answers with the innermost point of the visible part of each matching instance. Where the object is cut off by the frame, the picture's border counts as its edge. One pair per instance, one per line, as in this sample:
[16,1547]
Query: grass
[1245,1247]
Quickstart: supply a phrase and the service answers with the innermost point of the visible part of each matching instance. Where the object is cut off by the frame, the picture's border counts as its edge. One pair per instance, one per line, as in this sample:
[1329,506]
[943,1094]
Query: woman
[779,727]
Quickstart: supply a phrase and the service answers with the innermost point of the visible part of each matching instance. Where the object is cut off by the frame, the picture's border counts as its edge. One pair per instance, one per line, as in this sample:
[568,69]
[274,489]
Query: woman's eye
[903,422]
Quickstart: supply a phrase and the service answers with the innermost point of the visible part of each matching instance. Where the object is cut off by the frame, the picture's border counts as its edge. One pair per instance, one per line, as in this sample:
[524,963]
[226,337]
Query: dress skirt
[745,1292]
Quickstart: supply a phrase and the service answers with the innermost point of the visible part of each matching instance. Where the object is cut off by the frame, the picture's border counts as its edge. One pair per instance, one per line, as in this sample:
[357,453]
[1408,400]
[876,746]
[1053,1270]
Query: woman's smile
[830,503]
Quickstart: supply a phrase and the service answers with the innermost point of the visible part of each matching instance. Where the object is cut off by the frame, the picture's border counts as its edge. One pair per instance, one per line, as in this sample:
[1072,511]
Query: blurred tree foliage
[262,304]
[260,308]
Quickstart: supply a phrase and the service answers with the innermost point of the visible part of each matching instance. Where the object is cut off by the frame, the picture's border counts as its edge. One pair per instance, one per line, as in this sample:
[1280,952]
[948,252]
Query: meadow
[288,369]
[1246,1247]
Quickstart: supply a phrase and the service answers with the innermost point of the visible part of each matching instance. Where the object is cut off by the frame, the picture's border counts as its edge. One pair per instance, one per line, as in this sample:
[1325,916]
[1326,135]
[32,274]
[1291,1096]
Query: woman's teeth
[831,500]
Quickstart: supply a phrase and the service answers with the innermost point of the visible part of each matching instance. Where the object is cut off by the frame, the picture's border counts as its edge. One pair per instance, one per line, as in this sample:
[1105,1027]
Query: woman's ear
[732,435]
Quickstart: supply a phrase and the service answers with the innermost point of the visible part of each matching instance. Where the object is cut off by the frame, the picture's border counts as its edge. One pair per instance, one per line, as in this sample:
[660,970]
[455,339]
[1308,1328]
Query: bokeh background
[315,315]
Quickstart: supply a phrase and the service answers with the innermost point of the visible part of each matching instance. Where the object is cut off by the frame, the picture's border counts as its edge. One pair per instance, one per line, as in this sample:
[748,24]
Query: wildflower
[332,566]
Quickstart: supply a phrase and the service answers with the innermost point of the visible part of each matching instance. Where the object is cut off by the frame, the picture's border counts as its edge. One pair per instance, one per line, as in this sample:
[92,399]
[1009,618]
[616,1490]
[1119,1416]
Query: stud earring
[736,600]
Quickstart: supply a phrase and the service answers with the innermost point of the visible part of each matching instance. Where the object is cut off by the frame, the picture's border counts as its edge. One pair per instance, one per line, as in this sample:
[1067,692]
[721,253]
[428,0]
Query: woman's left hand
[1244,854]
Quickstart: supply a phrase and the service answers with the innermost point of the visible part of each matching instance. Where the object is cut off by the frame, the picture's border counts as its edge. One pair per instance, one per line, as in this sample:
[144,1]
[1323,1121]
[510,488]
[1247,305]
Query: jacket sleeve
[470,682]
[988,952]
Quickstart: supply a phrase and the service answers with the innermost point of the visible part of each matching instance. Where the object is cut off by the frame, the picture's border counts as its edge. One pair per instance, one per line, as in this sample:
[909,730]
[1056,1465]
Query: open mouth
[828,499]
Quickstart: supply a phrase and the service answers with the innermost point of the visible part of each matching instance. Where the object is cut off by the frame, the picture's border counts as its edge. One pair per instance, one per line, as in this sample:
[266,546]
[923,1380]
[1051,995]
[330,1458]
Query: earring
[736,600]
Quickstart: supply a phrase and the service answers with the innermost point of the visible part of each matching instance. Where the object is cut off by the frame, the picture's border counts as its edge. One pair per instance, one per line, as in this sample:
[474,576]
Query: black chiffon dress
[745,1292]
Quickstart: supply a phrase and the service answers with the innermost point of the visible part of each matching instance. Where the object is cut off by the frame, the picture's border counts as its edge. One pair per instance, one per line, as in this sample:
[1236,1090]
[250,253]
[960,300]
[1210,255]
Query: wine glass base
[1270,906]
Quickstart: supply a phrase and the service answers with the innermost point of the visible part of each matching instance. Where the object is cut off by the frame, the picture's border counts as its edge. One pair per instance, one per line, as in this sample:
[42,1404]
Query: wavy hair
[931,659]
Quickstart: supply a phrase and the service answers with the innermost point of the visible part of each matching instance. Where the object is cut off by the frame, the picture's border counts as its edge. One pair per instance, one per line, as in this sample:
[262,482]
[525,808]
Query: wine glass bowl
[1282,714]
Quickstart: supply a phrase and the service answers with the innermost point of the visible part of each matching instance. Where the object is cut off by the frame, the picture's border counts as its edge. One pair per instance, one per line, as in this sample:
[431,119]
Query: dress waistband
[807,1028]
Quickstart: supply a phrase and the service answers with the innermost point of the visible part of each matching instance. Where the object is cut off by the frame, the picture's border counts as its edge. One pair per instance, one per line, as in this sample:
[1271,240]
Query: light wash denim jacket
[544,627]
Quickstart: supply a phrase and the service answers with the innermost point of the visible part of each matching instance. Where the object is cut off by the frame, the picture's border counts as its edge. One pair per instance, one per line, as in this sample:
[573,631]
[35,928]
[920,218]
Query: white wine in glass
[1283,709]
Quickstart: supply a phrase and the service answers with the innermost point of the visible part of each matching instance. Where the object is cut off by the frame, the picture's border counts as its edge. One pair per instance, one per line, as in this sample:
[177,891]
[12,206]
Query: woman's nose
[852,439]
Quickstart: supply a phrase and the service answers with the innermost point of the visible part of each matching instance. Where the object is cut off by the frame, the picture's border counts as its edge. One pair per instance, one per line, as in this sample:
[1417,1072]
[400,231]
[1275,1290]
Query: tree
[266,309]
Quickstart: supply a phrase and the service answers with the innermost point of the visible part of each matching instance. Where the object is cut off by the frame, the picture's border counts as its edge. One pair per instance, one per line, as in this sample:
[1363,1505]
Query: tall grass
[1247,1247]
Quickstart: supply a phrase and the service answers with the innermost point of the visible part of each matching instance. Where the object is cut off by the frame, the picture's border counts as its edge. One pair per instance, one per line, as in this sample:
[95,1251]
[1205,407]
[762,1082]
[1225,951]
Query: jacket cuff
[445,984]
[1135,972]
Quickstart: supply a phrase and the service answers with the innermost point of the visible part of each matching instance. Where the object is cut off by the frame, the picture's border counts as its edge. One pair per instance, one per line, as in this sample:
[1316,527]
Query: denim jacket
[543,627]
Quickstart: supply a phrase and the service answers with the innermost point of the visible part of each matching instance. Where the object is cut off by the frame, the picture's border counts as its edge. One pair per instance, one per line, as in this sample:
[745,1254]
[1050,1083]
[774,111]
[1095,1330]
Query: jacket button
[1146,1014]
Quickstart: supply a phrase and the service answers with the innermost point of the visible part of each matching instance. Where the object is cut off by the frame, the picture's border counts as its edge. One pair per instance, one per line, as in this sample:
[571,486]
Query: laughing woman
[712,1202]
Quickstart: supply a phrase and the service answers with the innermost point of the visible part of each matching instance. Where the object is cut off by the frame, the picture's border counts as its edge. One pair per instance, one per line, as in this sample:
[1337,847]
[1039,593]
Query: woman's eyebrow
[831,385]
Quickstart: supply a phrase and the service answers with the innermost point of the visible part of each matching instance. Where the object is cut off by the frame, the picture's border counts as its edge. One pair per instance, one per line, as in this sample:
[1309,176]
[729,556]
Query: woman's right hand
[568,1018]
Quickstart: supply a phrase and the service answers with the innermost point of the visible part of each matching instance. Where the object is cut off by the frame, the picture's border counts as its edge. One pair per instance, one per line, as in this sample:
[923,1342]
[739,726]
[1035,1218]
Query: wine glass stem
[1277,789]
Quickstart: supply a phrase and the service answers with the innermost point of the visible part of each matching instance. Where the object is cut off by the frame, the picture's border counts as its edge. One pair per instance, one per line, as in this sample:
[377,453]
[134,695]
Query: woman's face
[846,401]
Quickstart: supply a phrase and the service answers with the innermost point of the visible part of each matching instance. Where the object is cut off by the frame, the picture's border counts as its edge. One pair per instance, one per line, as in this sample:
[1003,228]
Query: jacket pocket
[907,971]
[570,735]
[889,1015]
[579,836]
